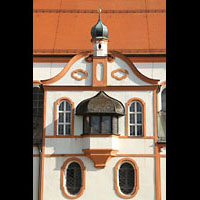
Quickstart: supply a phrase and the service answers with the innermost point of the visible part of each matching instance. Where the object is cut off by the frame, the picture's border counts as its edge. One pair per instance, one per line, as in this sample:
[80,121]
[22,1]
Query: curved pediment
[119,72]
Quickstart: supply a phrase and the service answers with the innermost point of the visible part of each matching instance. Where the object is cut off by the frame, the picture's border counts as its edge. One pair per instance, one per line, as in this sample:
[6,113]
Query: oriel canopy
[100,104]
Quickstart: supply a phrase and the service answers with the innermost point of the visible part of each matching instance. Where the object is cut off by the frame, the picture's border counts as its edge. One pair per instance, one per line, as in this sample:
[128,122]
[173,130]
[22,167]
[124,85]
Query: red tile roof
[63,26]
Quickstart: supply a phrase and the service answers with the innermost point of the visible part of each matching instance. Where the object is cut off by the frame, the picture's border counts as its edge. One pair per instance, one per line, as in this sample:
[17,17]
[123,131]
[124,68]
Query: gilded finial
[99,12]
[99,9]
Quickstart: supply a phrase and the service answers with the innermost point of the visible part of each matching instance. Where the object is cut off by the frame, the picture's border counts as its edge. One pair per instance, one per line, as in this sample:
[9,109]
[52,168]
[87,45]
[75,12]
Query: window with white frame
[136,119]
[64,126]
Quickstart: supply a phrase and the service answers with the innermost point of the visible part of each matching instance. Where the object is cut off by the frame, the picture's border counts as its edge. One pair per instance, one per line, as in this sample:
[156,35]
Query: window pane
[132,107]
[132,118]
[74,178]
[139,107]
[106,124]
[86,124]
[68,117]
[35,96]
[126,178]
[114,124]
[132,130]
[61,117]
[41,96]
[60,129]
[68,106]
[139,118]
[61,106]
[67,129]
[40,105]
[95,124]
[35,103]
[139,130]
[163,97]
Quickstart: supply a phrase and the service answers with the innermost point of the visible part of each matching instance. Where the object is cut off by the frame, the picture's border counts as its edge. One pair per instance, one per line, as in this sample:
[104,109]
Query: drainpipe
[39,175]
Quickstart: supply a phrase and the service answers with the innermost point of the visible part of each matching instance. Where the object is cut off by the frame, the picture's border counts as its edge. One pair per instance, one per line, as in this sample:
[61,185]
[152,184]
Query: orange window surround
[56,115]
[63,177]
[136,177]
[128,104]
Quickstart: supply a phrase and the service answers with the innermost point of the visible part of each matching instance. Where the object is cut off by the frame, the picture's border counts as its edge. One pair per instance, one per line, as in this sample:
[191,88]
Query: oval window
[126,178]
[73,178]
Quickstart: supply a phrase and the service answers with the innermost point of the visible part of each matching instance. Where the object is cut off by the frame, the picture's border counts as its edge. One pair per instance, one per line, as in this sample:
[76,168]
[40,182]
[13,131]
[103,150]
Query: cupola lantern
[99,33]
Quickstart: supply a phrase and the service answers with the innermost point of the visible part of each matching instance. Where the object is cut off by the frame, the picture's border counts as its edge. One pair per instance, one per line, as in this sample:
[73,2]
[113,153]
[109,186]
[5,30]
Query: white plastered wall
[163,177]
[78,96]
[96,179]
[42,71]
[35,177]
[75,145]
[153,70]
[132,79]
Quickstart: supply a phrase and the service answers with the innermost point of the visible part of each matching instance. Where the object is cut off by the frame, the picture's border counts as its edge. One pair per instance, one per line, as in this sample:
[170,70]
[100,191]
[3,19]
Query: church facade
[99,126]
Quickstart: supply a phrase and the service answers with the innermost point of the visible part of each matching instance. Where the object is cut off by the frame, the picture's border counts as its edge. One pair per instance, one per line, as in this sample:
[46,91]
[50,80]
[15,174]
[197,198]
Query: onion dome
[100,104]
[99,31]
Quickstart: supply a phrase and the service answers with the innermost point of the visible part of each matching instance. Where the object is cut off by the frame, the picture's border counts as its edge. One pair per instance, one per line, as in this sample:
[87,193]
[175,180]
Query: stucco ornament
[119,74]
[79,74]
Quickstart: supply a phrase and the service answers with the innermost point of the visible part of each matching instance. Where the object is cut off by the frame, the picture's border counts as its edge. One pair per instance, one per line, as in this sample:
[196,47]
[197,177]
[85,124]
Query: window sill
[99,134]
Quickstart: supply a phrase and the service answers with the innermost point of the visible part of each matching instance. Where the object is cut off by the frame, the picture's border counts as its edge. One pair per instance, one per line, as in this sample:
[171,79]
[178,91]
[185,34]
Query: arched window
[126,178]
[136,119]
[64,122]
[73,178]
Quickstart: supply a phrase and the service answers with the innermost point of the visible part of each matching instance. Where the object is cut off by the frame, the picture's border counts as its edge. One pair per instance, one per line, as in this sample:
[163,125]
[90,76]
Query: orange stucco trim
[127,116]
[105,88]
[117,155]
[100,156]
[119,70]
[37,82]
[163,83]
[103,60]
[82,77]
[101,135]
[134,59]
[43,147]
[157,152]
[160,146]
[66,68]
[134,69]
[97,60]
[56,116]
[62,185]
[116,181]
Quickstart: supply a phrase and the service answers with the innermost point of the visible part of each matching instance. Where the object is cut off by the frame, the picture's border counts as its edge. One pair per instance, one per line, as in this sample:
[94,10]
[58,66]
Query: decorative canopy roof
[100,104]
[99,31]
